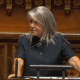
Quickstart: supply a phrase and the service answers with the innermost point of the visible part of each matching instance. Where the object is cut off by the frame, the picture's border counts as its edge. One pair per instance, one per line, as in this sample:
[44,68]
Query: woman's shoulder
[59,37]
[59,34]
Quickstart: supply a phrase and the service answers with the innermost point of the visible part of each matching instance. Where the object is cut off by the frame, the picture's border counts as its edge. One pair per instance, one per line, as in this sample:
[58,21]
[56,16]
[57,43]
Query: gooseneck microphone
[16,66]
[71,44]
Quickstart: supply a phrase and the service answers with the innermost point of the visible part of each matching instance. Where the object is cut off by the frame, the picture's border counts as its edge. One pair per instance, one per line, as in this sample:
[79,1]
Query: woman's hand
[75,62]
[11,75]
[20,64]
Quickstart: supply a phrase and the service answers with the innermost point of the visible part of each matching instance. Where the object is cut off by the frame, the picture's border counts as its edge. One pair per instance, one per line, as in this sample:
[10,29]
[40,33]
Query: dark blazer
[43,55]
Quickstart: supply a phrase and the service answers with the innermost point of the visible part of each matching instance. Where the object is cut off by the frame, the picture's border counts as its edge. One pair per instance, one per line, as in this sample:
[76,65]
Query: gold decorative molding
[28,4]
[16,35]
[67,6]
[57,2]
[19,2]
[38,2]
[76,45]
[76,2]
[73,37]
[9,5]
[4,36]
[48,4]
[4,45]
[13,54]
[10,35]
[1,2]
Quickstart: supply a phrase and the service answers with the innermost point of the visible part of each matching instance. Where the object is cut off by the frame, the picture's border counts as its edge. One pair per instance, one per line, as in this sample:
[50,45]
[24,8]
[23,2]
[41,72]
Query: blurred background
[13,23]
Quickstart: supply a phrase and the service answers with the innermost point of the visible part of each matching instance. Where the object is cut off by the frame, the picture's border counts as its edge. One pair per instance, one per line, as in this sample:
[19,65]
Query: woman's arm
[20,64]
[75,62]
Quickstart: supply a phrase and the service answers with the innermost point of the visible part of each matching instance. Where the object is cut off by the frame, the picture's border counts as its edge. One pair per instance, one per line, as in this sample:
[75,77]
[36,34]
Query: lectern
[51,67]
[48,67]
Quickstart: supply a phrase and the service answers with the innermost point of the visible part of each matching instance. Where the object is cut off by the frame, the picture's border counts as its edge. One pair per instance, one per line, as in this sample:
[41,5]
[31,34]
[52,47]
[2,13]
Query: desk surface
[45,78]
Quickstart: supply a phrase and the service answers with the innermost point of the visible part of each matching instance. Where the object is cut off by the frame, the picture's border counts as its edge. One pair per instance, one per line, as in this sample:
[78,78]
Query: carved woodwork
[17,22]
[19,2]
[38,2]
[73,36]
[28,4]
[57,2]
[48,4]
[67,6]
[76,2]
[3,61]
[1,2]
[9,36]
[8,5]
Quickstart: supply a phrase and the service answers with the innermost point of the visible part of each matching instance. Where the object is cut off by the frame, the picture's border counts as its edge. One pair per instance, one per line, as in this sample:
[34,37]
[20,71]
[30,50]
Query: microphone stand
[71,44]
[16,66]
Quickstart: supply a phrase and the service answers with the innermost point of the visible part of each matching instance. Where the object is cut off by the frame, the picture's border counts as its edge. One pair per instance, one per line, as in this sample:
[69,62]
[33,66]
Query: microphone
[71,44]
[16,66]
[33,46]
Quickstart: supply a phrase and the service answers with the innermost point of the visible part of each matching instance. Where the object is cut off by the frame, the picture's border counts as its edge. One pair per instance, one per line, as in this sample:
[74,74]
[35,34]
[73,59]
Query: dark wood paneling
[34,5]
[17,22]
[8,47]
[9,51]
[3,5]
[67,24]
[18,6]
[3,61]
[53,6]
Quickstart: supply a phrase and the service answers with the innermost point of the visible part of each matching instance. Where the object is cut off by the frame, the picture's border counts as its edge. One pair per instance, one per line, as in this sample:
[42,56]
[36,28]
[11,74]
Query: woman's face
[36,29]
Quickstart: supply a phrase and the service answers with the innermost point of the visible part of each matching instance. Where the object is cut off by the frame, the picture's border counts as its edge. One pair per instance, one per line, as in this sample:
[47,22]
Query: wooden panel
[56,5]
[17,22]
[77,46]
[9,58]
[18,5]
[34,5]
[14,48]
[3,61]
[67,24]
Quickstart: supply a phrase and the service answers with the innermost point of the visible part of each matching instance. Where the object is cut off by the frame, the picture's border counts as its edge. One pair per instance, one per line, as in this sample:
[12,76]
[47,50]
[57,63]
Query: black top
[44,55]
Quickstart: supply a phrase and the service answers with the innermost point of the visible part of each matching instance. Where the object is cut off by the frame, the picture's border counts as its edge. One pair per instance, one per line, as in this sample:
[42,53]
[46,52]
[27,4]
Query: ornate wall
[13,14]
[13,23]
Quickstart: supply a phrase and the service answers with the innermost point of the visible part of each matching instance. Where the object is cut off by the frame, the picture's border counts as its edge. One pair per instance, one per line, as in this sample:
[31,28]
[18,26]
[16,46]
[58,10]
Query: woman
[51,52]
